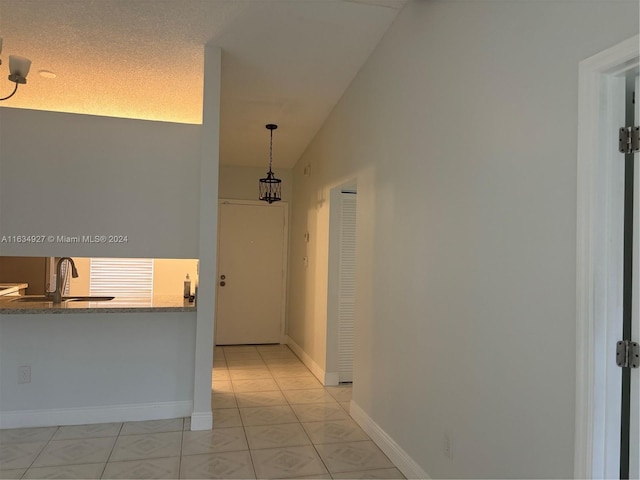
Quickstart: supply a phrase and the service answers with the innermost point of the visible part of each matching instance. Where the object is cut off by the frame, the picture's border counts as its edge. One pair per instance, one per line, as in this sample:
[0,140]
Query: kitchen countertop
[159,303]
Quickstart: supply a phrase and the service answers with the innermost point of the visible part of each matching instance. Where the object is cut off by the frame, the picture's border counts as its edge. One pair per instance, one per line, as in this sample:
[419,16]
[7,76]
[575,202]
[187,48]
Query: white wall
[461,132]
[241,183]
[92,366]
[156,183]
[69,174]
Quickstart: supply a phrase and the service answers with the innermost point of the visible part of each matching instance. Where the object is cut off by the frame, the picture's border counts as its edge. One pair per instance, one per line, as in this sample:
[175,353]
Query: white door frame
[285,255]
[599,257]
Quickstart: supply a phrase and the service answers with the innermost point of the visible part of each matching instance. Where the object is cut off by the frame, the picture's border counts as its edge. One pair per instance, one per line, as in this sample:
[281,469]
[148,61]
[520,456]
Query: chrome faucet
[57,295]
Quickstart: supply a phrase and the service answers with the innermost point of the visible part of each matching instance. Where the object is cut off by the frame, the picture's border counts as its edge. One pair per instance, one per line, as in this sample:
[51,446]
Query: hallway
[272,419]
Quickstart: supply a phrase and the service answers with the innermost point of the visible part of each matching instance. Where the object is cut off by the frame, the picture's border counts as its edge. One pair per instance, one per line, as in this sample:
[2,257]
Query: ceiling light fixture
[47,74]
[270,186]
[18,71]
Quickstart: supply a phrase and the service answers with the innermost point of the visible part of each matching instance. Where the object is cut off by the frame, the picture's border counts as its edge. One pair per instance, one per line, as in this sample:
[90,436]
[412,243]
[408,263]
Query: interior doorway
[252,266]
[607,444]
[341,291]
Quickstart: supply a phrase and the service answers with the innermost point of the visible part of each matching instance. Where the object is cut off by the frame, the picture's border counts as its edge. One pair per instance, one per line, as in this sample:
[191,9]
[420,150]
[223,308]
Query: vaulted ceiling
[284,61]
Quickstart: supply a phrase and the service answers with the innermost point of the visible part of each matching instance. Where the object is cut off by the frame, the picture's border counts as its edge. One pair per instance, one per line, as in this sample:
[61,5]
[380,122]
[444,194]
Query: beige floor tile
[341,394]
[225,465]
[353,457]
[323,476]
[239,349]
[249,373]
[152,426]
[75,452]
[276,436]
[334,431]
[260,367]
[245,364]
[26,435]
[254,385]
[88,471]
[223,400]
[267,415]
[187,423]
[273,348]
[214,441]
[298,383]
[221,386]
[284,363]
[226,417]
[317,412]
[19,455]
[287,462]
[13,474]
[153,445]
[242,355]
[278,354]
[261,399]
[219,374]
[96,430]
[294,371]
[308,396]
[384,474]
[153,468]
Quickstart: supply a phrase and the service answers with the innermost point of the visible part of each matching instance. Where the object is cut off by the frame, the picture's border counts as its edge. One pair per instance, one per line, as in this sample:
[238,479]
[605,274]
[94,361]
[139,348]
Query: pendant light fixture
[18,71]
[270,186]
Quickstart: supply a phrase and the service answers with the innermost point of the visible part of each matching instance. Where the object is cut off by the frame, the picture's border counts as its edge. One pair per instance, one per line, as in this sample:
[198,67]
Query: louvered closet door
[347,287]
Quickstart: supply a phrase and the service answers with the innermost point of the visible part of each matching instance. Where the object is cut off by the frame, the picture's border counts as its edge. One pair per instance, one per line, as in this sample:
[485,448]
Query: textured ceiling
[284,61]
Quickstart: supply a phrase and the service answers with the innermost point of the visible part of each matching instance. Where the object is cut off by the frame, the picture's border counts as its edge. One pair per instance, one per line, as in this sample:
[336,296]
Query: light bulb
[19,66]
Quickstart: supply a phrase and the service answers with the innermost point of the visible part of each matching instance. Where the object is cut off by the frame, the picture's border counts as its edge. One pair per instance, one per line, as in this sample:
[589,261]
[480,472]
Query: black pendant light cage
[270,186]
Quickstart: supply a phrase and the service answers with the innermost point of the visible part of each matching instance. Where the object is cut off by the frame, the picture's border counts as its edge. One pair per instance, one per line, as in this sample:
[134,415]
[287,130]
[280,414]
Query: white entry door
[252,245]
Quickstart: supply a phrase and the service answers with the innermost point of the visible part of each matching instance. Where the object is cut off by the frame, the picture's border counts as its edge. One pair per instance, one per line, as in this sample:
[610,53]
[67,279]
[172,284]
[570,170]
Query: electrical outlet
[24,374]
[447,446]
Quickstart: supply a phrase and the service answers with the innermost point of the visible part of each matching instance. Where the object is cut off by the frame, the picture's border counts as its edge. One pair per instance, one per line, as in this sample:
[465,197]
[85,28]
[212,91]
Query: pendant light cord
[13,93]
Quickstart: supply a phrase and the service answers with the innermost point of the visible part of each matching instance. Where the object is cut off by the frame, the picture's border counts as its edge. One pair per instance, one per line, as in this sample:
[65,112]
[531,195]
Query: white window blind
[130,280]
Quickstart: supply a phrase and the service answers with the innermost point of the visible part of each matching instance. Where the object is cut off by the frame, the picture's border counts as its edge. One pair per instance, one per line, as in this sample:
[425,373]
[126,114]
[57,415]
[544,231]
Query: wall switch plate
[447,447]
[24,374]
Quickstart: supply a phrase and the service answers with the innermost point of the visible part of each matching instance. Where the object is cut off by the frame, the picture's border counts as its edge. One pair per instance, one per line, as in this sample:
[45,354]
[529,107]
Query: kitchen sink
[42,298]
[87,299]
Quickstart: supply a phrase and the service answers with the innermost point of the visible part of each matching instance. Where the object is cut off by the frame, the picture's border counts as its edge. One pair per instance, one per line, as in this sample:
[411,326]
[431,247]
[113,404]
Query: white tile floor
[272,419]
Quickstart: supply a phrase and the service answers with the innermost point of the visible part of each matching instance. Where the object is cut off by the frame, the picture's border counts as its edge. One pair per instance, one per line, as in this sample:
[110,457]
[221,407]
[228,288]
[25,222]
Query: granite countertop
[159,303]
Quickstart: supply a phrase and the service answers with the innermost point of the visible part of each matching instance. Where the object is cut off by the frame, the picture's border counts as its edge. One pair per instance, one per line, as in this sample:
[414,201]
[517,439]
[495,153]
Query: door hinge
[628,354]
[629,140]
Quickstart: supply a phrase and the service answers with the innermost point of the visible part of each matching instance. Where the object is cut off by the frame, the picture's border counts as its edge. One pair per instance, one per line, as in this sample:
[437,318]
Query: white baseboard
[201,421]
[86,415]
[327,378]
[396,454]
